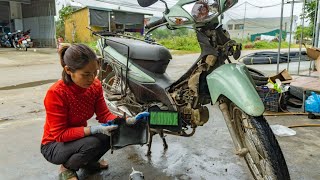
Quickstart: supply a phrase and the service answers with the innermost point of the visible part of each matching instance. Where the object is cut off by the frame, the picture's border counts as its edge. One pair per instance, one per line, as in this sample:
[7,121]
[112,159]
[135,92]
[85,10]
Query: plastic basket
[270,98]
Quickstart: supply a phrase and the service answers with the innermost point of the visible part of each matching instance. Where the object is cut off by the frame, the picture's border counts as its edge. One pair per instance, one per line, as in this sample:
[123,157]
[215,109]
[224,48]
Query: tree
[307,32]
[310,10]
[63,16]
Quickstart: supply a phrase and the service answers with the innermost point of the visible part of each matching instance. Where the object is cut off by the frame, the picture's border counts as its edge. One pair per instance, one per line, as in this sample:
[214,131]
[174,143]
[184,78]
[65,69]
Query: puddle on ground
[29,84]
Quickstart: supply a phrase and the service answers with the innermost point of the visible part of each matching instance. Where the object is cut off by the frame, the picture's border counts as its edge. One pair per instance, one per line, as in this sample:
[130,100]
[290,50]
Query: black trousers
[77,154]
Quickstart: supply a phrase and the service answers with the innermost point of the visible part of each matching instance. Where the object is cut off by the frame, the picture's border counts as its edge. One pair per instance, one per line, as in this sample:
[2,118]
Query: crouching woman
[69,103]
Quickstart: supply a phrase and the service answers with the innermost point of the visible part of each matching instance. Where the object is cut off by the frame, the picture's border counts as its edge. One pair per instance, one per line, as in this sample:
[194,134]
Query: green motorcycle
[137,81]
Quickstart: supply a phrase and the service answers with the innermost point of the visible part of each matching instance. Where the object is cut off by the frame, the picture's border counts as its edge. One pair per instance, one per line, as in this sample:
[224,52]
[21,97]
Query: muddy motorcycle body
[136,81]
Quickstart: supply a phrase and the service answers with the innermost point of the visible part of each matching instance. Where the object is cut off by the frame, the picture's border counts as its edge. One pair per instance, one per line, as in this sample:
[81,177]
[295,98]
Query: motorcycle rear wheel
[256,142]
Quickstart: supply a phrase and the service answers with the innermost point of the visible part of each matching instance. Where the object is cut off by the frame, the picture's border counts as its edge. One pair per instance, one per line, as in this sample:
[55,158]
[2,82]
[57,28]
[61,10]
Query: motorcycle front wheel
[15,44]
[256,143]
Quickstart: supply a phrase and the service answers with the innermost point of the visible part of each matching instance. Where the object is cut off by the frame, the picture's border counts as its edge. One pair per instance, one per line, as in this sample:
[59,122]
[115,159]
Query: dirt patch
[29,84]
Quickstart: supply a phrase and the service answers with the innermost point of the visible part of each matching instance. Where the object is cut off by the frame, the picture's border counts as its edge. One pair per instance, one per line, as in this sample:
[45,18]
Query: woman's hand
[103,129]
[133,120]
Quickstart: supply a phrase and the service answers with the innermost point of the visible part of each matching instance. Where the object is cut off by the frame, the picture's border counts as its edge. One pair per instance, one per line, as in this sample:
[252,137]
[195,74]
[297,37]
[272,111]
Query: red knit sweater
[69,107]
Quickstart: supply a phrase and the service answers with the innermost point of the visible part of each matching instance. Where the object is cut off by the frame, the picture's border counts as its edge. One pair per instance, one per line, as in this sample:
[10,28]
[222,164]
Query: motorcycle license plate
[24,42]
[28,40]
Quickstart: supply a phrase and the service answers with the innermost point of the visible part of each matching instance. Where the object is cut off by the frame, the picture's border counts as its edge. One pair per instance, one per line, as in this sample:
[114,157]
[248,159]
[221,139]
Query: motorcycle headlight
[203,10]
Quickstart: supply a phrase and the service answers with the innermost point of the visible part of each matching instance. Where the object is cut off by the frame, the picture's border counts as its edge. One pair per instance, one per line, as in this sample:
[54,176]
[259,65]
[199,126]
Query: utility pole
[301,33]
[244,19]
[280,36]
[314,35]
[317,33]
[290,35]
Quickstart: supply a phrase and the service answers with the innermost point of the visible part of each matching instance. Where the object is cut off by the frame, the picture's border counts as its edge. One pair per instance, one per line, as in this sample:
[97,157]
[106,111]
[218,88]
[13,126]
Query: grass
[271,45]
[92,45]
[184,43]
[188,44]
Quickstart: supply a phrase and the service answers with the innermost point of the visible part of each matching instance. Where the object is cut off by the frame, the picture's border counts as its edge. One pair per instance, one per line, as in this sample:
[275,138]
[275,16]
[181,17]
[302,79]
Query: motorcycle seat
[139,50]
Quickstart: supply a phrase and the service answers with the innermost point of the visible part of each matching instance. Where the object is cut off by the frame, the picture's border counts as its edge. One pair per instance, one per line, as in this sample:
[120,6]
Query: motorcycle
[5,40]
[21,40]
[135,80]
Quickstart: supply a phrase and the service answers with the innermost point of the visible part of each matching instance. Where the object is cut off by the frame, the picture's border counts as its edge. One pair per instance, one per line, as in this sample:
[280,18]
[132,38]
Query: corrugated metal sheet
[39,8]
[42,30]
[4,13]
[22,1]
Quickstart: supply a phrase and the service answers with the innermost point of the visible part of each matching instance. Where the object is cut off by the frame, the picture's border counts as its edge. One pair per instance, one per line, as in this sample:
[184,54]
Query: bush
[271,45]
[187,43]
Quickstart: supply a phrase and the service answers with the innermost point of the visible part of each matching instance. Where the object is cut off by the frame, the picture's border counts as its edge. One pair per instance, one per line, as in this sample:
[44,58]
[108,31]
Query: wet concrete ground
[207,155]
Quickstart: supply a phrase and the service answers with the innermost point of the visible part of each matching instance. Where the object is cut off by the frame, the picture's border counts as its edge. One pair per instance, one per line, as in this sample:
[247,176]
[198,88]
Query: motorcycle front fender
[234,82]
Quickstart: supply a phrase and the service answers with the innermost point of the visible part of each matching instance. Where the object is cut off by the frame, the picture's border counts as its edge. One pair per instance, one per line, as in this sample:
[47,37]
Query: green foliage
[310,11]
[180,39]
[64,13]
[306,33]
[165,33]
[92,45]
[59,29]
[60,24]
[270,45]
[309,15]
[187,43]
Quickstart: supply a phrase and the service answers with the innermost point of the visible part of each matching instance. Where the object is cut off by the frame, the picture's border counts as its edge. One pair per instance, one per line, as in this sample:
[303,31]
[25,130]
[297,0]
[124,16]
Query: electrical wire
[261,7]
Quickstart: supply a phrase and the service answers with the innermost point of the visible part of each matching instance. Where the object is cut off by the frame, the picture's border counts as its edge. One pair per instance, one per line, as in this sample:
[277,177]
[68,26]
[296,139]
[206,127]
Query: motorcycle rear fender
[234,82]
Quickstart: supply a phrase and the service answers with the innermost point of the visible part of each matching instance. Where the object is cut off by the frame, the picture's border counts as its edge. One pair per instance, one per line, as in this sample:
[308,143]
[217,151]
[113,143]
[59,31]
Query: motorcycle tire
[256,72]
[107,82]
[256,143]
[109,78]
[260,83]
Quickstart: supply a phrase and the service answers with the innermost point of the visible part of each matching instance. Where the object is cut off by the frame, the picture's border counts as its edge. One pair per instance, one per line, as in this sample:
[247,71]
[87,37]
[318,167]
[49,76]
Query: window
[238,26]
[230,27]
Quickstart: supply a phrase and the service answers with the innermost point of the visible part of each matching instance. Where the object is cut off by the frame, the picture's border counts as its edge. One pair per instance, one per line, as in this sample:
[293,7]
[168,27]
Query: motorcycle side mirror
[146,3]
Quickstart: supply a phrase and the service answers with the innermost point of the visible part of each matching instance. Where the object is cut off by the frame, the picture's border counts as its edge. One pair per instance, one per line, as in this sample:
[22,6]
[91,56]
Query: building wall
[42,30]
[4,13]
[76,27]
[257,25]
[39,17]
[39,8]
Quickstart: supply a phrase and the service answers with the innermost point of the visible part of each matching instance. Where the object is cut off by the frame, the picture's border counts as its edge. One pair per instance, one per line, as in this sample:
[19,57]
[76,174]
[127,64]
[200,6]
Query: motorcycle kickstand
[165,145]
[151,134]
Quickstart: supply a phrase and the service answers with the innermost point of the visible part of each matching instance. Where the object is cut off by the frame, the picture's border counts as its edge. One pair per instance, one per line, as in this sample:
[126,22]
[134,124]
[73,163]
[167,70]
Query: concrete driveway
[209,154]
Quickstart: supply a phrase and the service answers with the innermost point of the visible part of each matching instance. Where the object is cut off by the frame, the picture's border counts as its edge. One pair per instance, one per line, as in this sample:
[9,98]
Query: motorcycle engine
[184,99]
[187,95]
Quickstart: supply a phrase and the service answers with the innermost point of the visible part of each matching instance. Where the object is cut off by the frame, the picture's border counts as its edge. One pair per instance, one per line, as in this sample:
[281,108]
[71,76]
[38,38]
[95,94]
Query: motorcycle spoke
[248,138]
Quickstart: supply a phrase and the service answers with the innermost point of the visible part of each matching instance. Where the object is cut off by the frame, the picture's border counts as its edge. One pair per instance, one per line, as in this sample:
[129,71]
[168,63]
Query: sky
[240,10]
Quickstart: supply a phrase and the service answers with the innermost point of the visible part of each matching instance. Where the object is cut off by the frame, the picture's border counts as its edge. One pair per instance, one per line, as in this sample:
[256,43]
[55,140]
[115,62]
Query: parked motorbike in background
[137,81]
[21,40]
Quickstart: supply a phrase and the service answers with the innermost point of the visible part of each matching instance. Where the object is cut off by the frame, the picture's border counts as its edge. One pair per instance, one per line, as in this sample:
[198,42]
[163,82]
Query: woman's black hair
[76,56]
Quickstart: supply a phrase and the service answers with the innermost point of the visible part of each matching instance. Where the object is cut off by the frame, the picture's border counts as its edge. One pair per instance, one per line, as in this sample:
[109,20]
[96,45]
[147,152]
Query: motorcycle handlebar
[156,23]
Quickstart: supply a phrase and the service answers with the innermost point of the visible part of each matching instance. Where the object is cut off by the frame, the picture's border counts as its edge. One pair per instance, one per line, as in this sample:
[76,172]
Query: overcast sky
[237,12]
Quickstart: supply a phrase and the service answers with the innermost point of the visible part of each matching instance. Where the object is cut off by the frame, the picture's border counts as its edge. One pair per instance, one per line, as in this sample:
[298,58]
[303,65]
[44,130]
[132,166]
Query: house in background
[240,28]
[101,19]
